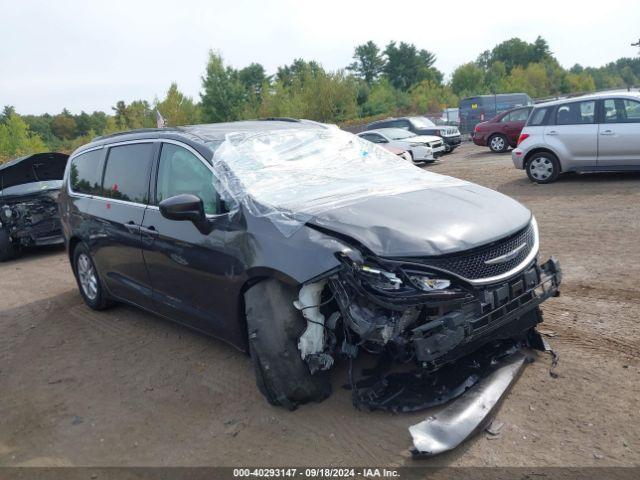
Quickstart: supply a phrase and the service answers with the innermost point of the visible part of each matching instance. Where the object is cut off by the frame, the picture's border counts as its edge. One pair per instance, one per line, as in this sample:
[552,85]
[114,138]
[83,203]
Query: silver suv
[599,132]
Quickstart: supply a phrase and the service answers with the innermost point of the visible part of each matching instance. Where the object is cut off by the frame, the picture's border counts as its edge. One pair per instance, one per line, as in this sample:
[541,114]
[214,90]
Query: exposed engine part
[312,341]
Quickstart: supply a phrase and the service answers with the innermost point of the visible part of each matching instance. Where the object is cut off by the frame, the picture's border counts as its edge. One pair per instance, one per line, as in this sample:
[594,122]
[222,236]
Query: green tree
[223,93]
[407,66]
[16,139]
[368,62]
[63,125]
[300,70]
[468,79]
[178,109]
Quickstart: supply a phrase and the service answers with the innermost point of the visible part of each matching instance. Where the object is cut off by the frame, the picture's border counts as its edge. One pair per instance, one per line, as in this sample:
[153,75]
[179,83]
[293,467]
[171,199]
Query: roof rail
[279,119]
[137,130]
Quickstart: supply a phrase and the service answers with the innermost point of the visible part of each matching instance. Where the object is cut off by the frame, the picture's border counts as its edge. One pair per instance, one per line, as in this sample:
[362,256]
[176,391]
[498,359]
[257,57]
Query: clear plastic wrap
[293,175]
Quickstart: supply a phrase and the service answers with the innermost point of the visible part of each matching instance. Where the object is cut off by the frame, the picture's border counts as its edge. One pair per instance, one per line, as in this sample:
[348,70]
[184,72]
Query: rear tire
[274,327]
[89,283]
[498,143]
[543,167]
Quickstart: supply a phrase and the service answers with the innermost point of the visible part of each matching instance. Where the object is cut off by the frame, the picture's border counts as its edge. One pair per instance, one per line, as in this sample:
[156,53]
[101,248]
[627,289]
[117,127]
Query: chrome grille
[471,265]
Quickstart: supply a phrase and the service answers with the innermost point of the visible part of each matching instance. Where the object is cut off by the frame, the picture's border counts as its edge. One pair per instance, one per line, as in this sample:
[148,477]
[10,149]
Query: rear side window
[85,173]
[621,110]
[576,113]
[126,175]
[538,117]
[519,115]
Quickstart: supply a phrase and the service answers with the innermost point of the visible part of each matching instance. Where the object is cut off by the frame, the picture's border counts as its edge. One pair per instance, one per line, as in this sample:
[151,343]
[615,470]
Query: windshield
[33,187]
[291,176]
[422,122]
[398,133]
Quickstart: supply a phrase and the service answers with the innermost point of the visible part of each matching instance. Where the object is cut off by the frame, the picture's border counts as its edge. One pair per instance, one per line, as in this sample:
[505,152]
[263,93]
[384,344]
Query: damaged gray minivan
[302,245]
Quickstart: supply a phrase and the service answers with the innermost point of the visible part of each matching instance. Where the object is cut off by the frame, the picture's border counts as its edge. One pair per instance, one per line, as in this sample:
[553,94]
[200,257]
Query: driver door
[192,274]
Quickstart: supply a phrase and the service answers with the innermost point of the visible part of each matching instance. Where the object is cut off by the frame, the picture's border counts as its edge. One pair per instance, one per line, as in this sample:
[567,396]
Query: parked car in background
[599,132]
[422,126]
[480,108]
[502,131]
[401,152]
[422,148]
[29,189]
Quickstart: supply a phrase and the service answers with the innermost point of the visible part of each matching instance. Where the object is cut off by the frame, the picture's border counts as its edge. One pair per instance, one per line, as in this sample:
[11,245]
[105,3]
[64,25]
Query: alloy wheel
[87,277]
[497,144]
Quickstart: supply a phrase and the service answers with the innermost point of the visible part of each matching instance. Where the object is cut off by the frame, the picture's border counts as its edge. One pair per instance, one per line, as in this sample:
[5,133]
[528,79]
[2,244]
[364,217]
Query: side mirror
[186,207]
[383,140]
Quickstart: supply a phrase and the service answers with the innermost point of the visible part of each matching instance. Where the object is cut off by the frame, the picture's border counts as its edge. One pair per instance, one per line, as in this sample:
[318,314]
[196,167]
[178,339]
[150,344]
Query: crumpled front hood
[428,222]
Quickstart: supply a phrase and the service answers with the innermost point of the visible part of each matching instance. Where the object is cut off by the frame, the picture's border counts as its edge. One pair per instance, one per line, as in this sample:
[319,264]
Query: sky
[86,55]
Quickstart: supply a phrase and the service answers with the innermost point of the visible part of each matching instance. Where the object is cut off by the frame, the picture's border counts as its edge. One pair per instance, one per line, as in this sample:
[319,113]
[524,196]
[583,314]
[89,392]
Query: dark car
[29,188]
[502,131]
[303,244]
[422,126]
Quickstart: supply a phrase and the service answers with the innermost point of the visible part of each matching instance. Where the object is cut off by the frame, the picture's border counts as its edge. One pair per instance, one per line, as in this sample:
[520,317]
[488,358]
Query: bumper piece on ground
[468,414]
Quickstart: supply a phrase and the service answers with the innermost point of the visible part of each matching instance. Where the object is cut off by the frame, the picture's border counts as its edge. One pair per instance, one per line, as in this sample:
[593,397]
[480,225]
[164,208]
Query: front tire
[274,327]
[498,144]
[88,279]
[7,249]
[543,167]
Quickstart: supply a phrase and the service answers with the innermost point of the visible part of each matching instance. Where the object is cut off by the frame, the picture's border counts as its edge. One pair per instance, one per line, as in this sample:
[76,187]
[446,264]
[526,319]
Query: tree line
[399,78]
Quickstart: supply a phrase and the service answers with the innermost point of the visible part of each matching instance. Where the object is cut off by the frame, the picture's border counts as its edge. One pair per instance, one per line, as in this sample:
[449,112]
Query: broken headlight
[429,284]
[390,282]
[380,279]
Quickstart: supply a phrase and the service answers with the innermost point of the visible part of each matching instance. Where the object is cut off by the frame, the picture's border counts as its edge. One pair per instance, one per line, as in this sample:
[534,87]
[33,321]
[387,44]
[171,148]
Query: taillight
[522,138]
[477,129]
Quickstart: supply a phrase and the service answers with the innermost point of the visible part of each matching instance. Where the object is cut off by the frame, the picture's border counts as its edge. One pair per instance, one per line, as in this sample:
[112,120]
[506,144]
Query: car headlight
[388,281]
[429,284]
[380,279]
[417,144]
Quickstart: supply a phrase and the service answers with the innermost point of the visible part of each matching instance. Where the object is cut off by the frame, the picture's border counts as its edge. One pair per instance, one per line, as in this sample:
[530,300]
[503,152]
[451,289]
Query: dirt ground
[123,387]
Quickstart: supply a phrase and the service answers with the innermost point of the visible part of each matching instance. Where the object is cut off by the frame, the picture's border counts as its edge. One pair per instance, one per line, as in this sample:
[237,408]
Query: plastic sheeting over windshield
[293,175]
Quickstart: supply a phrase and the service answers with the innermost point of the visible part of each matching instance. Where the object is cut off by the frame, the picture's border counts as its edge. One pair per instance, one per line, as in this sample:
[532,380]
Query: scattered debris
[495,428]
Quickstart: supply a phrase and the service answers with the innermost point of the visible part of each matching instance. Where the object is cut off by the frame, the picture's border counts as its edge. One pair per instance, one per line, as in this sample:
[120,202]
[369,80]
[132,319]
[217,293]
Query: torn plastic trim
[468,414]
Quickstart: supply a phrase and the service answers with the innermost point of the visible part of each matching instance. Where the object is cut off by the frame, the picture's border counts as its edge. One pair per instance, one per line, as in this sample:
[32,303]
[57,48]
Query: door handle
[552,132]
[132,226]
[607,132]
[150,231]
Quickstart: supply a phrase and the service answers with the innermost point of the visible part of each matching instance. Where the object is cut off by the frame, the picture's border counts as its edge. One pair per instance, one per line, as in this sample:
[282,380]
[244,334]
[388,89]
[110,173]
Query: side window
[576,113]
[85,173]
[537,117]
[506,118]
[180,171]
[629,111]
[610,111]
[519,115]
[126,175]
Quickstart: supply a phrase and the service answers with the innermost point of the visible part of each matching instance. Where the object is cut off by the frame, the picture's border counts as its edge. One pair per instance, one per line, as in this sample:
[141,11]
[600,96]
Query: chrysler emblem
[507,256]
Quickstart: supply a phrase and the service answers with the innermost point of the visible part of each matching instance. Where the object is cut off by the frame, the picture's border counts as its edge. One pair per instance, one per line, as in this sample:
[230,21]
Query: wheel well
[73,243]
[539,150]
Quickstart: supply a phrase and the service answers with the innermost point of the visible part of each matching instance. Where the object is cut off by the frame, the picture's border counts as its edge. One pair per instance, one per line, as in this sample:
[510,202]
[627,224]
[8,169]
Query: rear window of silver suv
[537,118]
